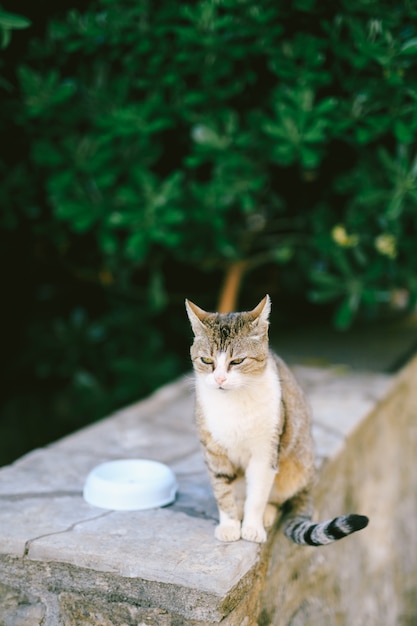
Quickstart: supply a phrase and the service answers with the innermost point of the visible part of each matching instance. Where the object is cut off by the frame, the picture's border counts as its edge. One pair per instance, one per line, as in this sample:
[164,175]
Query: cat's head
[229,350]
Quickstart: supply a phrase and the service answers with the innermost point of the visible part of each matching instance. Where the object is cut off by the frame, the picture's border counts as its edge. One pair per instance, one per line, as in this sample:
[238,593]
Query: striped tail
[303,531]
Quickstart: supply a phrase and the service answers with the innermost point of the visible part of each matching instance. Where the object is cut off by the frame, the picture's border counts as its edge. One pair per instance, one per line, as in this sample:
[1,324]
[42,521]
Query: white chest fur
[243,420]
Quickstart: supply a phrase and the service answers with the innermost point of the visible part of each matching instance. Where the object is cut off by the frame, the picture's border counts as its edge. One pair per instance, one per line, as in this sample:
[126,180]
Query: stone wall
[64,562]
[369,579]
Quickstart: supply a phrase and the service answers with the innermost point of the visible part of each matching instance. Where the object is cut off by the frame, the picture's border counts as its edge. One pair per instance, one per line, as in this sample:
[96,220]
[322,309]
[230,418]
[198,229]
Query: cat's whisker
[190,381]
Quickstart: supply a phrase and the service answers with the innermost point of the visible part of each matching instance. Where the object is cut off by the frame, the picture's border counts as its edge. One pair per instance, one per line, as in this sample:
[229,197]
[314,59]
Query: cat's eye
[206,360]
[237,361]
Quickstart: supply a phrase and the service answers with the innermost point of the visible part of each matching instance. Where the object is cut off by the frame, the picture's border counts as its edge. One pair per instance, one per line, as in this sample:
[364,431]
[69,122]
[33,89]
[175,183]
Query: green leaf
[310,157]
[5,37]
[341,260]
[206,136]
[136,247]
[11,20]
[283,254]
[321,297]
[344,315]
[83,378]
[403,132]
[409,47]
[108,242]
[316,133]
[284,153]
[325,279]
[327,105]
[157,293]
[275,131]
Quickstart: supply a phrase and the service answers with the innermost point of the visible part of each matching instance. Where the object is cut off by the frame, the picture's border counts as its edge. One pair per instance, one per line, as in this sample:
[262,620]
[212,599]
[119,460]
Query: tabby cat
[254,425]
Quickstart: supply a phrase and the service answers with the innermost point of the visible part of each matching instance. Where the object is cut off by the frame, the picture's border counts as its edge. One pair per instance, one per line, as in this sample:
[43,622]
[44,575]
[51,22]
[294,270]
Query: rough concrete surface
[370,578]
[63,561]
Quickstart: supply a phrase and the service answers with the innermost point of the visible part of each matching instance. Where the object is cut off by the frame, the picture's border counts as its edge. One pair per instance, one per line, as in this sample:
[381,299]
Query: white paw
[254,533]
[270,515]
[228,532]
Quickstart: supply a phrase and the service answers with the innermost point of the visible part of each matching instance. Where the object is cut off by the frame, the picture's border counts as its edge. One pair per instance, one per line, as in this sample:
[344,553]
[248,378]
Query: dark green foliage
[8,23]
[163,140]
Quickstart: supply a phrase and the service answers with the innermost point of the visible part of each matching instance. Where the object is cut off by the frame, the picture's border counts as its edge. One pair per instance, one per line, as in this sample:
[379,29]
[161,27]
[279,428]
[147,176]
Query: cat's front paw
[254,533]
[229,531]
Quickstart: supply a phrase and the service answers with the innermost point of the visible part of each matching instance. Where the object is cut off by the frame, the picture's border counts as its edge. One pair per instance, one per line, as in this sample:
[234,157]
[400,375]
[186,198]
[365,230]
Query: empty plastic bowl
[130,485]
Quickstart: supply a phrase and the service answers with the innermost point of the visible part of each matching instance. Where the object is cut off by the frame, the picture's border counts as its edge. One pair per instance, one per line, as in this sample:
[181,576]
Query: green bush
[171,137]
[167,131]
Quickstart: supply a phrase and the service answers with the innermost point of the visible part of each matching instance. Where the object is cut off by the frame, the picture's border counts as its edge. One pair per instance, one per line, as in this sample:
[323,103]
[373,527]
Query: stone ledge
[55,548]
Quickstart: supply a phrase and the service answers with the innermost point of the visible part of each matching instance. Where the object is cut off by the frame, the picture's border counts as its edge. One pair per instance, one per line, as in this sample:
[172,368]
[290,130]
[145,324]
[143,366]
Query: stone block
[63,561]
[19,608]
[79,610]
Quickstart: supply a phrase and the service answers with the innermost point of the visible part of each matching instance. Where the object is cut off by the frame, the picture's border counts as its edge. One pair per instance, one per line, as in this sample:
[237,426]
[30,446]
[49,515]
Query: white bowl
[130,485]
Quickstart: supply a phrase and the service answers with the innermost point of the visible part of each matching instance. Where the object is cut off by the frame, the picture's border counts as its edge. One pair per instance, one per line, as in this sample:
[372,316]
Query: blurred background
[215,150]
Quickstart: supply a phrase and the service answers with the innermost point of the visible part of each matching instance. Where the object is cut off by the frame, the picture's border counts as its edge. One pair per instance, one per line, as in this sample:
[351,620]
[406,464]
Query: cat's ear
[196,316]
[261,312]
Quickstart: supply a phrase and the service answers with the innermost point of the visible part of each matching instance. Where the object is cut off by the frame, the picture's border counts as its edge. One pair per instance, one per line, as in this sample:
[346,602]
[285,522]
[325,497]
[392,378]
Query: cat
[255,428]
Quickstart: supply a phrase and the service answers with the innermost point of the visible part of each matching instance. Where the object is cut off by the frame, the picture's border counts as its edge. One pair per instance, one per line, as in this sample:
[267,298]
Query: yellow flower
[386,244]
[340,236]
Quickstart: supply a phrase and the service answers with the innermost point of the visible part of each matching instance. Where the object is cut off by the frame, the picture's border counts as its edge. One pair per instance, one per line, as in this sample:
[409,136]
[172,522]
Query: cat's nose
[220,379]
